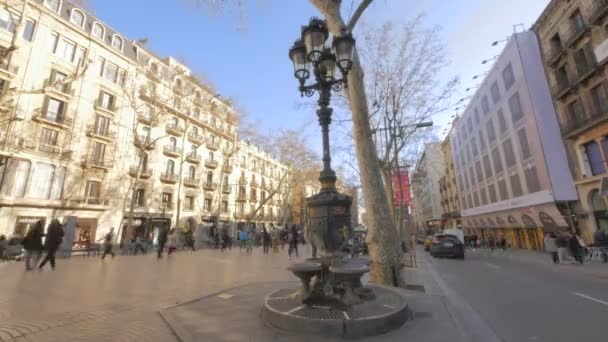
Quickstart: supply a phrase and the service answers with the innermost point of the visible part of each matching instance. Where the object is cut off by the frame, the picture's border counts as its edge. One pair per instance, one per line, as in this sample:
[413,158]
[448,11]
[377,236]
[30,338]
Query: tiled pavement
[87,299]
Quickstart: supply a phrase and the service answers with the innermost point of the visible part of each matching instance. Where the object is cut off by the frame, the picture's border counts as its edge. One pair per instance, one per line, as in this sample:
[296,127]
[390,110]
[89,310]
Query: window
[210,156]
[492,193]
[57,79]
[93,190]
[170,167]
[48,137]
[561,77]
[107,101]
[224,207]
[98,31]
[502,190]
[497,160]
[486,166]
[478,170]
[110,72]
[102,124]
[98,152]
[523,143]
[532,180]
[484,196]
[58,178]
[576,21]
[502,123]
[491,132]
[476,199]
[594,158]
[556,43]
[117,42]
[172,143]
[471,176]
[469,201]
[576,113]
[485,105]
[482,142]
[516,185]
[189,203]
[77,17]
[508,77]
[54,109]
[53,4]
[79,59]
[210,177]
[53,42]
[507,147]
[599,96]
[166,200]
[41,181]
[66,49]
[140,197]
[495,91]
[515,106]
[28,30]
[207,204]
[192,172]
[476,115]
[474,150]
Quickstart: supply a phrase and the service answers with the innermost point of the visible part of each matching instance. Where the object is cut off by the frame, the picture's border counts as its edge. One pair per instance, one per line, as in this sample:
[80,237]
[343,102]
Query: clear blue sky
[252,66]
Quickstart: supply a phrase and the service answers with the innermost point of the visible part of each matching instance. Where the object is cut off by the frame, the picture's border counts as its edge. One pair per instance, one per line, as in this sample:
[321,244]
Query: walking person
[243,237]
[562,246]
[108,244]
[162,240]
[551,246]
[266,239]
[54,237]
[577,247]
[189,239]
[293,241]
[250,241]
[225,237]
[172,242]
[32,243]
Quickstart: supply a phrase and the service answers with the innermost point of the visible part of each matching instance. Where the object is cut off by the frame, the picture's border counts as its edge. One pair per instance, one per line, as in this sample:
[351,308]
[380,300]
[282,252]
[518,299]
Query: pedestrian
[225,236]
[172,242]
[54,237]
[293,241]
[551,246]
[562,246]
[189,239]
[108,244]
[162,240]
[32,243]
[266,239]
[575,248]
[243,237]
[3,246]
[250,241]
[582,247]
[491,243]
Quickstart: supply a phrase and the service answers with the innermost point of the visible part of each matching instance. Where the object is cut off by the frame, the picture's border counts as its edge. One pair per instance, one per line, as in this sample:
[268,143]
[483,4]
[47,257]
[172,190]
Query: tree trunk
[382,238]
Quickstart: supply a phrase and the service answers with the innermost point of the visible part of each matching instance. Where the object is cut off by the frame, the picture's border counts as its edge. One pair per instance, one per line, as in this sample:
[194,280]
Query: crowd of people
[567,245]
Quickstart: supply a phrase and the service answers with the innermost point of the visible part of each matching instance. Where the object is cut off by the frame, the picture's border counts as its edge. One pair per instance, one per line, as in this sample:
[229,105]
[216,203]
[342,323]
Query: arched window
[117,42]
[192,172]
[55,5]
[209,177]
[170,166]
[77,17]
[210,156]
[173,142]
[98,31]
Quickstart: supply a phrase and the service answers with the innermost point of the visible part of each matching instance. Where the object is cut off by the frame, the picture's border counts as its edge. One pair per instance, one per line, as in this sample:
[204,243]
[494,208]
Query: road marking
[346,315]
[388,306]
[295,309]
[590,298]
[494,266]
[225,296]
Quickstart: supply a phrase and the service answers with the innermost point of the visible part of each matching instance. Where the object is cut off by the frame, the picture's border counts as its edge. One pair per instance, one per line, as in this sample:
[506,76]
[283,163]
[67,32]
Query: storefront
[23,223]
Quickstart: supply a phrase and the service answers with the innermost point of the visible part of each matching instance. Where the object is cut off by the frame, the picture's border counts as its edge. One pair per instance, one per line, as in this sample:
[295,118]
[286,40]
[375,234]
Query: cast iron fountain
[331,298]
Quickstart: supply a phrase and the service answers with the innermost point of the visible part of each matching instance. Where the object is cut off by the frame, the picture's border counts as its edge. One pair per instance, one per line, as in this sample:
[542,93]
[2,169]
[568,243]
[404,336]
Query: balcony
[90,201]
[193,158]
[174,129]
[582,121]
[561,88]
[8,71]
[96,163]
[227,169]
[58,89]
[57,121]
[196,138]
[154,75]
[144,142]
[211,186]
[213,145]
[145,172]
[172,151]
[107,109]
[554,54]
[169,177]
[597,11]
[145,119]
[192,182]
[253,199]
[98,133]
[254,183]
[226,189]
[211,164]
[575,33]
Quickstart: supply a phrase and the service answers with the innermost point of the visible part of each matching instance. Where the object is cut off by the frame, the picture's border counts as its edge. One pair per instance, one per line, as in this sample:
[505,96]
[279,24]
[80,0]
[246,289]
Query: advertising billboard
[401,187]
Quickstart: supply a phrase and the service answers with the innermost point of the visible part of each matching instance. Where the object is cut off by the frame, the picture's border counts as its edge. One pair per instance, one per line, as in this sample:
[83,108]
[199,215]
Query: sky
[248,59]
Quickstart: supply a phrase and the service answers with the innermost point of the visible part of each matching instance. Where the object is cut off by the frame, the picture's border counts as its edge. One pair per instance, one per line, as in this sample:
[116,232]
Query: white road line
[295,309]
[590,298]
[346,315]
[494,266]
[388,306]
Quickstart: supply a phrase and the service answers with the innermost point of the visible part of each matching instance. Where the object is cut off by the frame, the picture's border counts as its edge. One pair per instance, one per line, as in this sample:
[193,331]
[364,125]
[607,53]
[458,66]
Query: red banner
[401,187]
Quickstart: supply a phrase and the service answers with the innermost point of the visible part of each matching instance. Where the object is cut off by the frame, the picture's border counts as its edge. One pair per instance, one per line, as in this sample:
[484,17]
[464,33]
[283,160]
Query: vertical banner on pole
[401,187]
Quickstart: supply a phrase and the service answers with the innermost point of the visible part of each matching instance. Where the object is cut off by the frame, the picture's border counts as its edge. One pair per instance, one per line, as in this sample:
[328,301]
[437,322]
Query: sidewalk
[594,268]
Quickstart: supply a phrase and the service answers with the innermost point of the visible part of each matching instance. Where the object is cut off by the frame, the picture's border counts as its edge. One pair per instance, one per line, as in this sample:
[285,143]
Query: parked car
[445,245]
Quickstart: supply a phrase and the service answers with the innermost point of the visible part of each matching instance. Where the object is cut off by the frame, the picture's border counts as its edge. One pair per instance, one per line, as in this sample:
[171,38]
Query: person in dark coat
[575,248]
[32,243]
[293,241]
[266,239]
[162,240]
[54,237]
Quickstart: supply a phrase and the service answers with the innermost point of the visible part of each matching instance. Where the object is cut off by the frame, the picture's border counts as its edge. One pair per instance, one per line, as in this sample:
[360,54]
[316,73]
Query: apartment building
[447,187]
[509,159]
[574,39]
[426,202]
[95,129]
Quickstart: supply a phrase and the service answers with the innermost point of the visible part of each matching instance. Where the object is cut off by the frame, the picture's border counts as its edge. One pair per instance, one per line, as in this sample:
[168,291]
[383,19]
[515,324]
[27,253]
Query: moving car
[446,245]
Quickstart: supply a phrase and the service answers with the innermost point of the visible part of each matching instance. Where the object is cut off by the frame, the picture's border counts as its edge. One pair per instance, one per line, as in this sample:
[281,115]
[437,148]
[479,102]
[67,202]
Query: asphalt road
[517,301]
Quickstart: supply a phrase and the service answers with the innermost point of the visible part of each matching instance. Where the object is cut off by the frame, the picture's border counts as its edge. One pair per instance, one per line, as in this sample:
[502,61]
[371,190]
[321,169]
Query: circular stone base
[386,312]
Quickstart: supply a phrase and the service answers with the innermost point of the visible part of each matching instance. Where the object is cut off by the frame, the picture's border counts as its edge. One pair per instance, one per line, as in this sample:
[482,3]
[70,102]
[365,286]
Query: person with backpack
[108,241]
[54,237]
[32,243]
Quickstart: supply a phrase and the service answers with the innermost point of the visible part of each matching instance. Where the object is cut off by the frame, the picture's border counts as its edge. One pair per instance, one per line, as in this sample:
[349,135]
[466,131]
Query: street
[527,301]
